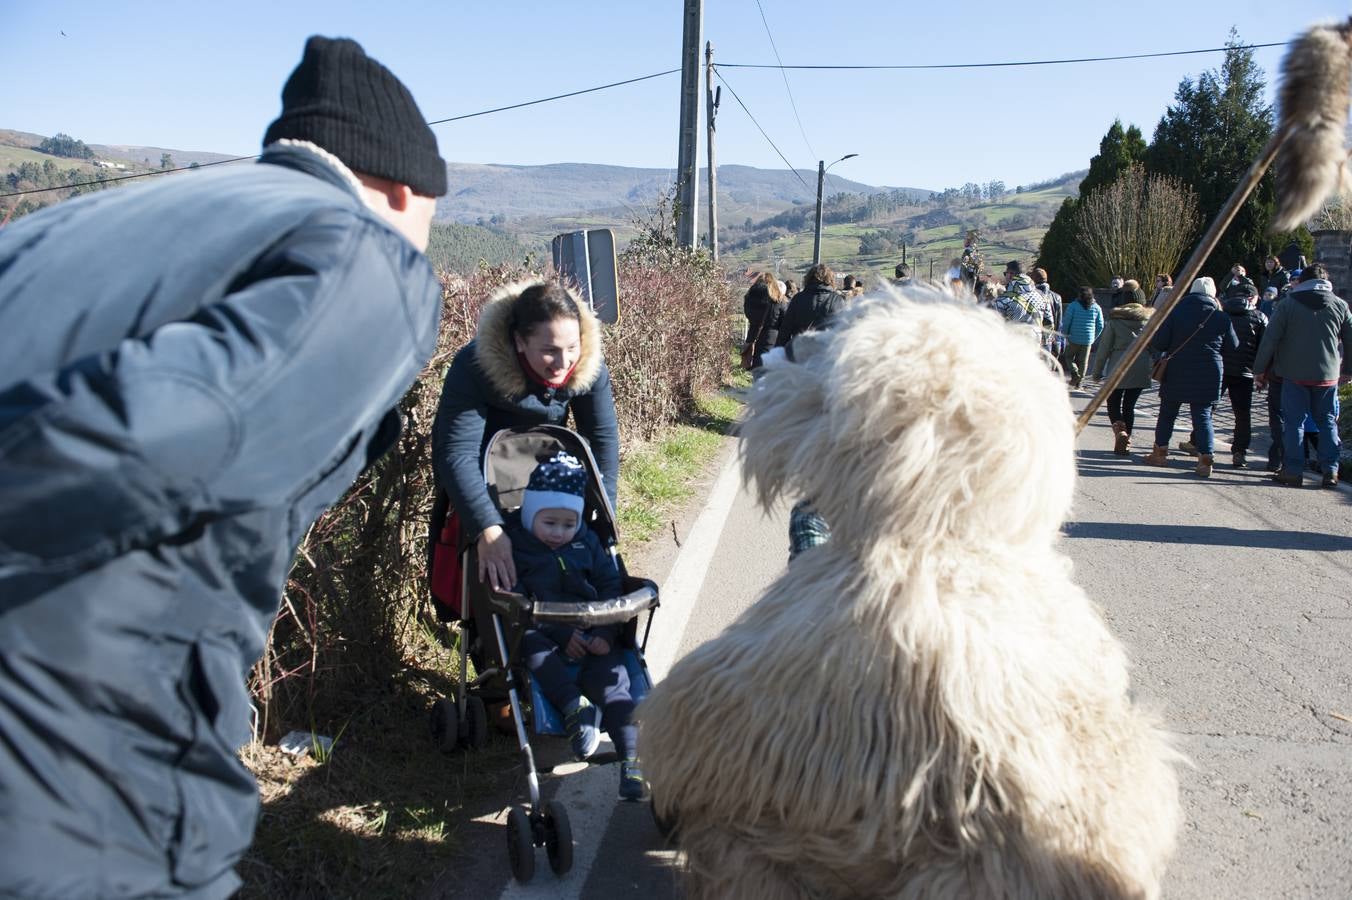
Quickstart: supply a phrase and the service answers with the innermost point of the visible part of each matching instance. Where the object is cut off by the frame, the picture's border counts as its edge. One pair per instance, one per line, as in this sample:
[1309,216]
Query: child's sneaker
[582,721]
[632,786]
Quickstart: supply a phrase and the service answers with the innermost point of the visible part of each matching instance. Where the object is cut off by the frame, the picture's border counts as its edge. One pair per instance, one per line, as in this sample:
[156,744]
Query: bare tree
[1334,215]
[1135,226]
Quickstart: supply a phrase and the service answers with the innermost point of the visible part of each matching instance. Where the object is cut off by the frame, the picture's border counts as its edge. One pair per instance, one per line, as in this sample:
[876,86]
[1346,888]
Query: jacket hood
[1020,284]
[1133,311]
[1314,294]
[1236,306]
[495,351]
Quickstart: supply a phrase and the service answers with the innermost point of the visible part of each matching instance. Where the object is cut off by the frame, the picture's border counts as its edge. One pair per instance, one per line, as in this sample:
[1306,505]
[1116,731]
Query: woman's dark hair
[540,303]
[820,274]
[1086,296]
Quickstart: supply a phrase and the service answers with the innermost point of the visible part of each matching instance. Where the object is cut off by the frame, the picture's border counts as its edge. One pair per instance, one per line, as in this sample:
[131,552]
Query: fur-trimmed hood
[495,351]
[1133,311]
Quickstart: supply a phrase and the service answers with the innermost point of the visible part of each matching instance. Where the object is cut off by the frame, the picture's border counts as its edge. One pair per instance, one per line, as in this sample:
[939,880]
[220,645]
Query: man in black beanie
[190,372]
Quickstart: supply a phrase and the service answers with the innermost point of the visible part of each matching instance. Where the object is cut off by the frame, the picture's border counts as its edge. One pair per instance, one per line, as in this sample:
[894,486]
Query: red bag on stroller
[445,579]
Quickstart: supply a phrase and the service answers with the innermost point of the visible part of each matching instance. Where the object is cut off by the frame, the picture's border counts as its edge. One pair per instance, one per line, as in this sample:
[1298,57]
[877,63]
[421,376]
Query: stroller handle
[605,612]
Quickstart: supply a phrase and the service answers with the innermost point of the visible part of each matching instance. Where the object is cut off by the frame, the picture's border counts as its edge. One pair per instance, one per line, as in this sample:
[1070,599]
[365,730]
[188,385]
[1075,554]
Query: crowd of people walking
[1291,340]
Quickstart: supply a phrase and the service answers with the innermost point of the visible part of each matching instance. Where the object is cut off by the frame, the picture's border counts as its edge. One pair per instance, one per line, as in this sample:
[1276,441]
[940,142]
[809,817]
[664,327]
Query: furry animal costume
[927,706]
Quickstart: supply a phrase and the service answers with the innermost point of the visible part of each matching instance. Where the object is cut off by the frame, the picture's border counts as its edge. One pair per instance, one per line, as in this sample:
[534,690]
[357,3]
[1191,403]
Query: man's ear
[399,195]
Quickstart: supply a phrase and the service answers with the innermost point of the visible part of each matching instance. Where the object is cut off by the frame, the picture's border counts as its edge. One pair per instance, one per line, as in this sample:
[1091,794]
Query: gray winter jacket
[1125,324]
[1301,341]
[190,372]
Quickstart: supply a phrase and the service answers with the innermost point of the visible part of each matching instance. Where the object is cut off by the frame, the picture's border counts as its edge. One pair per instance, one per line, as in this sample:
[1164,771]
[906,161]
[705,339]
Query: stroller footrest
[547,720]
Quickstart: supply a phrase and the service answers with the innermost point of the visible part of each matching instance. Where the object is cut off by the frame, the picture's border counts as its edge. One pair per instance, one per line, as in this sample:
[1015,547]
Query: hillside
[765,215]
[510,193]
[1011,228]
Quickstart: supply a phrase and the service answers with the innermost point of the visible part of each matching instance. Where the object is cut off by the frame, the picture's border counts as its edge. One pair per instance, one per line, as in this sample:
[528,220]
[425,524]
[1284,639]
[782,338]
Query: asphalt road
[1234,597]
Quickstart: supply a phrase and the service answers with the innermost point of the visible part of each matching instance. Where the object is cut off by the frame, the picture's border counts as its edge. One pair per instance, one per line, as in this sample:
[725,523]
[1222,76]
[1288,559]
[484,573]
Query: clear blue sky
[208,76]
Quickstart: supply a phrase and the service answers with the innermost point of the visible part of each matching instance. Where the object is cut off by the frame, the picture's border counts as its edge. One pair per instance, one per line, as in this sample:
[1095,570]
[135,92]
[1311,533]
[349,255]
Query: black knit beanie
[344,101]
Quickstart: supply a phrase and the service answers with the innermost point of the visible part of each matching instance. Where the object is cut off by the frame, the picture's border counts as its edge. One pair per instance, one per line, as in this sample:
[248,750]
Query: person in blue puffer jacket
[191,371]
[1081,323]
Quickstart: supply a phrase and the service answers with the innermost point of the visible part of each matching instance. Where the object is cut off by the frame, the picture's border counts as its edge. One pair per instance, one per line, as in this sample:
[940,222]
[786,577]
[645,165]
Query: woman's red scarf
[535,377]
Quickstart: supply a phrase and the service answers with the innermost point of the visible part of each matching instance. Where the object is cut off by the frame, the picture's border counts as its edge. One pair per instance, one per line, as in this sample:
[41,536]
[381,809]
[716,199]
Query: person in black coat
[191,371]
[536,356]
[764,308]
[1249,325]
[1193,338]
[812,306]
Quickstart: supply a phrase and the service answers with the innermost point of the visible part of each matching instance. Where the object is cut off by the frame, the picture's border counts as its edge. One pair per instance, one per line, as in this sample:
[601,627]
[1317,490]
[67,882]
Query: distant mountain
[573,189]
[146,156]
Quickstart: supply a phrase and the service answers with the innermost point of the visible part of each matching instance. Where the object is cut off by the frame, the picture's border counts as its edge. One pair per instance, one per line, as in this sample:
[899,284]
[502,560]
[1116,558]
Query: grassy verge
[659,476]
[384,814]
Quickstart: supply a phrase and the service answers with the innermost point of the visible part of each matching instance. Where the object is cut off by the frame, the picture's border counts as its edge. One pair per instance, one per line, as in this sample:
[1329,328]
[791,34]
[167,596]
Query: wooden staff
[1185,278]
[1314,98]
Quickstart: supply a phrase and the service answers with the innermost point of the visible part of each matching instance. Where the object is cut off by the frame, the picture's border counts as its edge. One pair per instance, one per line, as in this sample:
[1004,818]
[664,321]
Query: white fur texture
[926,706]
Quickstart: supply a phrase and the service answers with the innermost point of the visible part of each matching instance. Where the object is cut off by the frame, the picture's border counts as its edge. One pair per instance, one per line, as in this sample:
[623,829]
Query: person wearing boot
[1125,324]
[1249,326]
[1301,346]
[1191,339]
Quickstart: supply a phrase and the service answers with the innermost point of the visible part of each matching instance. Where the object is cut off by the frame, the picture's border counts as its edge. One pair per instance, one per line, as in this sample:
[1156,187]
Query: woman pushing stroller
[536,356]
[560,560]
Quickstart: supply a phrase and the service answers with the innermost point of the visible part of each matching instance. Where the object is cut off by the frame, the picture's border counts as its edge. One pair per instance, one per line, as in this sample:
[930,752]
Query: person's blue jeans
[1203,435]
[1318,403]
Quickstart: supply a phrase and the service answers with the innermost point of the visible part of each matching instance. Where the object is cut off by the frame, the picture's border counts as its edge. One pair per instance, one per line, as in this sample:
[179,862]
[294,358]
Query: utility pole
[817,232]
[712,97]
[687,160]
[821,178]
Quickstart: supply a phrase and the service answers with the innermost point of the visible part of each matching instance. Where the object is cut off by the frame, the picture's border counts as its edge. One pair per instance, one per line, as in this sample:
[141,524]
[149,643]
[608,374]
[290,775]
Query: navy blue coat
[1193,374]
[486,390]
[190,372]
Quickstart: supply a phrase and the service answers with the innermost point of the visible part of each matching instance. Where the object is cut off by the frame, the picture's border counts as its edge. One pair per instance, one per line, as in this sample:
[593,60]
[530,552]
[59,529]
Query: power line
[62,187]
[472,115]
[1031,62]
[762,130]
[785,75]
[555,97]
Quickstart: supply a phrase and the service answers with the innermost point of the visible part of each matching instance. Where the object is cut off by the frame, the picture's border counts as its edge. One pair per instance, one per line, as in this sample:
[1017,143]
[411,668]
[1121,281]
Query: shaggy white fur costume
[927,706]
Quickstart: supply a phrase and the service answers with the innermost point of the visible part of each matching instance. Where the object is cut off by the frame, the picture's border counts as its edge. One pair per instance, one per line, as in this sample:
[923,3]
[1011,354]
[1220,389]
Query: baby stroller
[494,622]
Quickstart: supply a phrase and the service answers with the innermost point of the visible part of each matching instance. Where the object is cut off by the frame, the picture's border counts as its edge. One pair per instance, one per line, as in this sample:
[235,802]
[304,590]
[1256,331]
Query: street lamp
[821,178]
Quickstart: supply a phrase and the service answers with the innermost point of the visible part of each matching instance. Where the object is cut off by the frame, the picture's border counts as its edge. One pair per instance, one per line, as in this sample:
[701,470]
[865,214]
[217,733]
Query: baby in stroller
[558,559]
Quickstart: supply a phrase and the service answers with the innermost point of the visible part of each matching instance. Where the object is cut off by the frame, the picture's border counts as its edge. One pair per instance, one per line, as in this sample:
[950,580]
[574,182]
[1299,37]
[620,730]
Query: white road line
[590,795]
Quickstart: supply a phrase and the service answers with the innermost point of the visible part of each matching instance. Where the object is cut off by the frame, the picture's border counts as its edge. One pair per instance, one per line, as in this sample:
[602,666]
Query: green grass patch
[658,477]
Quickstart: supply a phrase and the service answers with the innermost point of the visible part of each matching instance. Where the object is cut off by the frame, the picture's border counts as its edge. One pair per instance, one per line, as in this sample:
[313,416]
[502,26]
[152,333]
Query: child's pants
[603,680]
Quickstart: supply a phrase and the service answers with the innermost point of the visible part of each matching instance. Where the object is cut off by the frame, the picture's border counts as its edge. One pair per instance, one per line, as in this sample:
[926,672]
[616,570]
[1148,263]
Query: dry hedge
[353,600]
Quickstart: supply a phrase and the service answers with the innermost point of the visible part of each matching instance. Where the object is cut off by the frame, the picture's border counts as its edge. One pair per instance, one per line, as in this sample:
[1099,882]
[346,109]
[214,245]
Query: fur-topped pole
[1316,85]
[926,706]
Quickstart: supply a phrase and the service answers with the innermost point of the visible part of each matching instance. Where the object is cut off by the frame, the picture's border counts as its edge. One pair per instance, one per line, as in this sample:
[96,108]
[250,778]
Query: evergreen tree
[1117,151]
[1059,254]
[1208,138]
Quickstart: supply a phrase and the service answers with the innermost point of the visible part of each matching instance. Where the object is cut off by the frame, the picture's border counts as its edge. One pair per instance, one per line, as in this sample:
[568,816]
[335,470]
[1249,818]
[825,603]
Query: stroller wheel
[445,723]
[558,838]
[521,845]
[474,730]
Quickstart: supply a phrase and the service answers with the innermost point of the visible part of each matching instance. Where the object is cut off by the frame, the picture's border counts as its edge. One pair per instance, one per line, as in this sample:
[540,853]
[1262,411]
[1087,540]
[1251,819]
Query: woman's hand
[495,559]
[598,646]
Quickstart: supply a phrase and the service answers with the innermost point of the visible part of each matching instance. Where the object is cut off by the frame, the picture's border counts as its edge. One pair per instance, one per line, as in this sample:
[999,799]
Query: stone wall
[1334,249]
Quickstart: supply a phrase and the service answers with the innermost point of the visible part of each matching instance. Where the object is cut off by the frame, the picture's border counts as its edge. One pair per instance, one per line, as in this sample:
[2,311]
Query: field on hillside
[790,255]
[13,157]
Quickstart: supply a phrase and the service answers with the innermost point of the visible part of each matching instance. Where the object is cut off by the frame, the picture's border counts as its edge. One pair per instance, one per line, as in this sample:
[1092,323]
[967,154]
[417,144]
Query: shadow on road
[1210,535]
